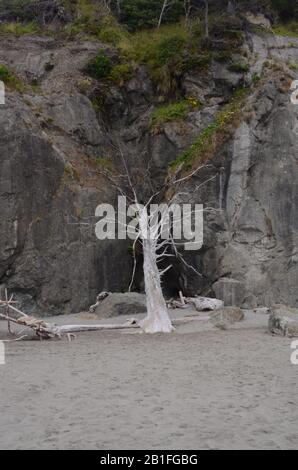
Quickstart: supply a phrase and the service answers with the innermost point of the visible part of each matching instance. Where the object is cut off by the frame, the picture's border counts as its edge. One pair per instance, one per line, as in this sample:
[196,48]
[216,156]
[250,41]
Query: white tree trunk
[157,320]
[164,7]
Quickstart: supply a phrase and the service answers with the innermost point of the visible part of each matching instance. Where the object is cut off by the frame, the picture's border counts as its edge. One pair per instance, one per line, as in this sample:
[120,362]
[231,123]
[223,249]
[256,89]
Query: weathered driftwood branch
[47,330]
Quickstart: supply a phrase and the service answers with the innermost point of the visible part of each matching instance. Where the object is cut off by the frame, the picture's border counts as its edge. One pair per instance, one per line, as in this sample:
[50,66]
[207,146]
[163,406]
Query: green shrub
[162,51]
[168,49]
[206,143]
[202,145]
[193,62]
[5,74]
[121,73]
[111,35]
[172,112]
[289,29]
[147,45]
[10,79]
[19,29]
[100,67]
[84,85]
[293,65]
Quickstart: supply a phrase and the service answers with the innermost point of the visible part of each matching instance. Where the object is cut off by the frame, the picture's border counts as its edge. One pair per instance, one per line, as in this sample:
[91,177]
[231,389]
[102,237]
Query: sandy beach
[198,388]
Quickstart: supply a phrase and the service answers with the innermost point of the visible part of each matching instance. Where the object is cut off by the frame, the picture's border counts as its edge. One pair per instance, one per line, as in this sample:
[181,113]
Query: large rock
[252,236]
[283,321]
[50,257]
[258,19]
[117,304]
[226,316]
[231,291]
[204,304]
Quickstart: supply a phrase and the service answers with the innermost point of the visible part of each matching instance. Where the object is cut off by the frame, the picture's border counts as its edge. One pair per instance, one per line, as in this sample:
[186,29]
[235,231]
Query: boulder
[202,304]
[258,19]
[226,316]
[116,304]
[231,291]
[283,321]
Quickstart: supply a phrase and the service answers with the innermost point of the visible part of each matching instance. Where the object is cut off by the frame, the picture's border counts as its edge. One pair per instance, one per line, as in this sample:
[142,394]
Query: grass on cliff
[289,29]
[10,80]
[102,67]
[172,112]
[19,29]
[215,134]
[168,52]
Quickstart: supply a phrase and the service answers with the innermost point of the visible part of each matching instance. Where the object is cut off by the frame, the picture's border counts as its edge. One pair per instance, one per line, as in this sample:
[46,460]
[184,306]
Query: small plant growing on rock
[5,74]
[19,29]
[213,135]
[100,67]
[121,73]
[172,112]
[10,79]
[84,85]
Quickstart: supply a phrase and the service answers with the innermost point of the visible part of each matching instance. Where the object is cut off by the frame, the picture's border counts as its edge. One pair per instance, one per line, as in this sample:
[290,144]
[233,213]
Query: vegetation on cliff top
[109,20]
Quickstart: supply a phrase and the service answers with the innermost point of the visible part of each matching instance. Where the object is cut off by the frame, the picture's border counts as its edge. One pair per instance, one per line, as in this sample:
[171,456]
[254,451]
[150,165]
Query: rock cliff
[53,133]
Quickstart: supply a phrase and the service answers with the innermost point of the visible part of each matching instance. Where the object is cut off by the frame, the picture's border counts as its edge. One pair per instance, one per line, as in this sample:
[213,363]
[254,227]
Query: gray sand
[198,388]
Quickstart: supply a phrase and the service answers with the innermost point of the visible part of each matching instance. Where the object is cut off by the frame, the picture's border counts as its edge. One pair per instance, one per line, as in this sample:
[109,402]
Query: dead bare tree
[165,6]
[187,10]
[154,231]
[107,4]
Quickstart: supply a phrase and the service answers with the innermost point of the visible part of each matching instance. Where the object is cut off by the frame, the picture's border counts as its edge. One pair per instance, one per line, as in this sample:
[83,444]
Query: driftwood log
[47,330]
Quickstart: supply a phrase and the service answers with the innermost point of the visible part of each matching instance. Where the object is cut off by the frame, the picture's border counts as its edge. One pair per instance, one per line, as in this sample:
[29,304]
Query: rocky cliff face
[52,135]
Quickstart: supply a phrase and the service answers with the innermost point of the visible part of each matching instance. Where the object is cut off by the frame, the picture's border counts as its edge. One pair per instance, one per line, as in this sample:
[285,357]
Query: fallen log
[46,330]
